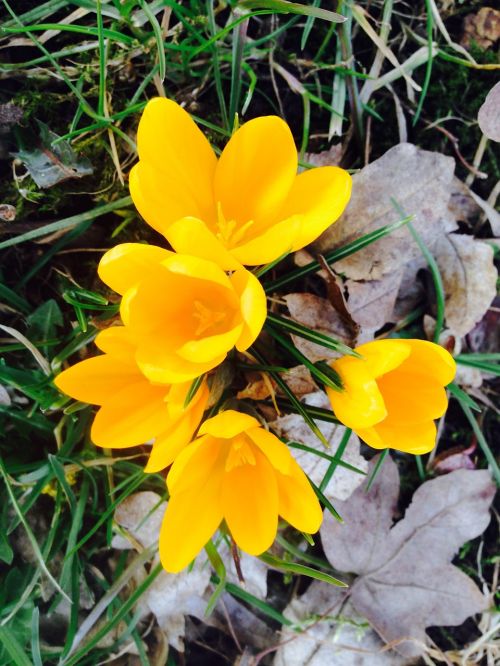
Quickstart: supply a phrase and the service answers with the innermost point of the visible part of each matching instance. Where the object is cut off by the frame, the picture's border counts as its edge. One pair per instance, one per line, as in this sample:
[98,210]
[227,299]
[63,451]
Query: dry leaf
[482,28]
[372,302]
[489,113]
[469,279]
[406,581]
[456,458]
[319,315]
[294,428]
[330,157]
[420,181]
[333,633]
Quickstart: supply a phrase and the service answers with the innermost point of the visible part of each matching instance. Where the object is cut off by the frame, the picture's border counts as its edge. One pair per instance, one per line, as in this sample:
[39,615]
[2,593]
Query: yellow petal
[271,243]
[412,398]
[190,520]
[195,464]
[116,342]
[256,171]
[171,442]
[250,505]
[298,504]
[319,196]
[382,356]
[164,367]
[273,448]
[214,346]
[192,236]
[228,424]
[360,404]
[124,265]
[131,416]
[198,268]
[182,164]
[253,306]
[418,439]
[96,379]
[431,360]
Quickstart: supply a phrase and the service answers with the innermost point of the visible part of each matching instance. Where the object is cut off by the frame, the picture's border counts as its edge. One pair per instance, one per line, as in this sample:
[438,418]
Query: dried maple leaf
[405,580]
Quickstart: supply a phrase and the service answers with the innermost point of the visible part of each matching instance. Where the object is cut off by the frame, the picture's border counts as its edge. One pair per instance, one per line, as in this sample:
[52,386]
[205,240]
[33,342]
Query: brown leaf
[319,315]
[406,581]
[489,113]
[469,279]
[419,181]
[482,28]
[330,157]
[333,633]
[422,183]
[337,298]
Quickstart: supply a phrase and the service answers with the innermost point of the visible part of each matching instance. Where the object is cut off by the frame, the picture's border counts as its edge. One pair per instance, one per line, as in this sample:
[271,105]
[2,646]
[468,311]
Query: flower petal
[253,305]
[182,165]
[382,356]
[164,367]
[131,416]
[198,268]
[124,265]
[195,464]
[172,441]
[360,404]
[213,346]
[190,520]
[116,342]
[419,439]
[412,398]
[192,236]
[319,196]
[250,505]
[96,379]
[271,243]
[430,359]
[298,504]
[256,171]
[273,448]
[228,424]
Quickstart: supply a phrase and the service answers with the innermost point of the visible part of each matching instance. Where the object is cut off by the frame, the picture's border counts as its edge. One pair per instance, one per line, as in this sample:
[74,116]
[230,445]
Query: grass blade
[338,254]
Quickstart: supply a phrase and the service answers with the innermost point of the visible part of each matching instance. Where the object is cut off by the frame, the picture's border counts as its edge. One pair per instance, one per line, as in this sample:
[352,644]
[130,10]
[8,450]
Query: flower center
[207,318]
[240,453]
[227,230]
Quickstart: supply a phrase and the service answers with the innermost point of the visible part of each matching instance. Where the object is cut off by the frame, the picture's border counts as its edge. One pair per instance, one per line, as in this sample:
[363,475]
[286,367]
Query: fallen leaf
[372,302]
[482,28]
[319,315]
[469,280]
[458,457]
[330,157]
[405,580]
[489,114]
[333,634]
[51,162]
[294,428]
[419,180]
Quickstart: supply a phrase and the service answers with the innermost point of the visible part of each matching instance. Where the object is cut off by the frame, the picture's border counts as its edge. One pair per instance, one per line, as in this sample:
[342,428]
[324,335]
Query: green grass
[88,82]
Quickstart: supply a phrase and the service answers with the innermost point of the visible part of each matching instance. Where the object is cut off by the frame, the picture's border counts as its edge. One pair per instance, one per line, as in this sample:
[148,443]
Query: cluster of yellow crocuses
[183,311]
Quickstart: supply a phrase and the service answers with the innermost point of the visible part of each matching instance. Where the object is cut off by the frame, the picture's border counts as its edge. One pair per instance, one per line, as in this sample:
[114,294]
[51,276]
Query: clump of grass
[89,80]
